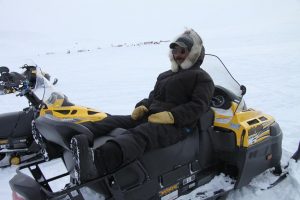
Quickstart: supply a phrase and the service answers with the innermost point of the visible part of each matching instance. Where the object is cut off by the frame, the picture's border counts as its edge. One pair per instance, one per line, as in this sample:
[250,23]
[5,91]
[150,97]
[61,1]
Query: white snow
[217,183]
[259,41]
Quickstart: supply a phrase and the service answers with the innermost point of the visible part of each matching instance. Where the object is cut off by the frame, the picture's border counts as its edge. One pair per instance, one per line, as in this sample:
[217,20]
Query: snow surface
[259,41]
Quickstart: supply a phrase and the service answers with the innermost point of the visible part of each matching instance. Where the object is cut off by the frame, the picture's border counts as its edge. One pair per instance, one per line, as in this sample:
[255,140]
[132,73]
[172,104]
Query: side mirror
[4,70]
[243,89]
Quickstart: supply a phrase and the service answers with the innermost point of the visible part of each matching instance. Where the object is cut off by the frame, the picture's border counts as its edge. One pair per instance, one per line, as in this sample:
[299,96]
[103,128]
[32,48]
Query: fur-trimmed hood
[194,54]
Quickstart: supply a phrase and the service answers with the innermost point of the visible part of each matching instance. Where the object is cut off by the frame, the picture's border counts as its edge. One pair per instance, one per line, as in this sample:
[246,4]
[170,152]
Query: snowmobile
[230,140]
[19,141]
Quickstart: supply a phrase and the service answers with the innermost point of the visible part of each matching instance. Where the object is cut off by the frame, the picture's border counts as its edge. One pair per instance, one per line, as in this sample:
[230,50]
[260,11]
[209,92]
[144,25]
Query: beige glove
[164,117]
[139,112]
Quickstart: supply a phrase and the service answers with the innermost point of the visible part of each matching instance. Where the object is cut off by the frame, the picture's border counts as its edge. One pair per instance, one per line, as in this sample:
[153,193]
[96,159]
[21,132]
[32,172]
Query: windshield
[45,90]
[220,75]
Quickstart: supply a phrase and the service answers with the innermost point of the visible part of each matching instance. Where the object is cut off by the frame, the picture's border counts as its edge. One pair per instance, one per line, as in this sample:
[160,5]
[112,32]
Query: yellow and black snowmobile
[19,139]
[232,143]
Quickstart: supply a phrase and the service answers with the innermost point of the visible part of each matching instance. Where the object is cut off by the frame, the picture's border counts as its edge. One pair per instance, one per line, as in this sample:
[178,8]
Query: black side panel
[162,161]
[131,176]
[15,124]
[251,161]
[224,140]
[256,159]
[173,176]
[206,155]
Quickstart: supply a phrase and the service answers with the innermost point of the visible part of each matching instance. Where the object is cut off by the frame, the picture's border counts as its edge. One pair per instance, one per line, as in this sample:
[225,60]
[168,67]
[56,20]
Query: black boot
[108,158]
[83,155]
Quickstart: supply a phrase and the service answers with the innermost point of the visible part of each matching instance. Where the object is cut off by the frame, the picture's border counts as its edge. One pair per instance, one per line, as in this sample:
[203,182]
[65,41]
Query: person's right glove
[164,117]
[139,112]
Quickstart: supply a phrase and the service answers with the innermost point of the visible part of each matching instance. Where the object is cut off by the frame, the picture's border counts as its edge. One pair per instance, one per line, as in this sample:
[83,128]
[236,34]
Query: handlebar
[11,82]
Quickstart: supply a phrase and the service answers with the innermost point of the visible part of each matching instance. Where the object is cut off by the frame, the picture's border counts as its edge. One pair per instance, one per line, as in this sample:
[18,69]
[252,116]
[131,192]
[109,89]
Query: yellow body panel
[78,114]
[250,126]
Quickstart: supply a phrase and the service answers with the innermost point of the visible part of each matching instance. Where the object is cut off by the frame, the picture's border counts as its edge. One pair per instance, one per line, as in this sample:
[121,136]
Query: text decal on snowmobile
[169,192]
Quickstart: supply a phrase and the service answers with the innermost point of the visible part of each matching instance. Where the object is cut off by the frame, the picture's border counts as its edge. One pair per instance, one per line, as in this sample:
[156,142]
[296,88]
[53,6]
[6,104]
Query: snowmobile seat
[60,131]
[16,124]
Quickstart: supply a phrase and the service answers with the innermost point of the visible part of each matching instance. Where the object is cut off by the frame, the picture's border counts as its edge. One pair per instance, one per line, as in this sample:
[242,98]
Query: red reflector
[17,196]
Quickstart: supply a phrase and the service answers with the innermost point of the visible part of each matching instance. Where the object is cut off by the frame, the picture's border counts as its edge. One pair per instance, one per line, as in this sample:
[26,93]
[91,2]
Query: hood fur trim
[193,54]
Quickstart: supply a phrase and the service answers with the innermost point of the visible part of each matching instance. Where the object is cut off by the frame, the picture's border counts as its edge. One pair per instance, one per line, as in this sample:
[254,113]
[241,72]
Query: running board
[13,150]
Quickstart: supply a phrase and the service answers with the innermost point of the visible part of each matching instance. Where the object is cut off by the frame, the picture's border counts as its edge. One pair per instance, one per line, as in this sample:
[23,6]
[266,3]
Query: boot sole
[76,158]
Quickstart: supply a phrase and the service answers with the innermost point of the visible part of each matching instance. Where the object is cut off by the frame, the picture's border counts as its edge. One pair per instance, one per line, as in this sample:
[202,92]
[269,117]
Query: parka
[185,90]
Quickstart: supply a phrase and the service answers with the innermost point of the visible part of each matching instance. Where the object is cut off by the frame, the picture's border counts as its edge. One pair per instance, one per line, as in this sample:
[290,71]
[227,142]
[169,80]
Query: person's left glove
[164,117]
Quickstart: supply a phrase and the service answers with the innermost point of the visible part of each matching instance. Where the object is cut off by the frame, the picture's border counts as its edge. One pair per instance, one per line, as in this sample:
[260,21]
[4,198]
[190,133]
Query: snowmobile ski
[285,173]
[282,177]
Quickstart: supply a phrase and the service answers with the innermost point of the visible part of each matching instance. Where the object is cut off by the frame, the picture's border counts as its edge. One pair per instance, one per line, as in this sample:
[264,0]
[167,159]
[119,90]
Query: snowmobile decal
[259,132]
[170,192]
[188,179]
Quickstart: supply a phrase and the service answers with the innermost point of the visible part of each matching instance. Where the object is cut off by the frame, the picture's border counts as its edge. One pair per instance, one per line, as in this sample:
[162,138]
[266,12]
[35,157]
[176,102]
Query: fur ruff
[193,54]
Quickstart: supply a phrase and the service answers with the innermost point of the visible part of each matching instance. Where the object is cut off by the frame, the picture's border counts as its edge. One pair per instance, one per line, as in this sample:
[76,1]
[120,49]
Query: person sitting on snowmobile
[170,112]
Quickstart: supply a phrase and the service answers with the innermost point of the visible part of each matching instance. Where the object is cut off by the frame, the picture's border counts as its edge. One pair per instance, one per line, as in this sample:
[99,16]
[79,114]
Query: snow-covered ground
[259,41]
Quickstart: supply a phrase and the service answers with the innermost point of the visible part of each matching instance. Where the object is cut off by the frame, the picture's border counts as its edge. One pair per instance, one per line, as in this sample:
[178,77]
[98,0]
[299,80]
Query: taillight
[17,196]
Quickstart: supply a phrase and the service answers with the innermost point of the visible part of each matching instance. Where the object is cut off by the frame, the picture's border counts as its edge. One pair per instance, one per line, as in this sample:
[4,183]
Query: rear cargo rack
[39,176]
[69,192]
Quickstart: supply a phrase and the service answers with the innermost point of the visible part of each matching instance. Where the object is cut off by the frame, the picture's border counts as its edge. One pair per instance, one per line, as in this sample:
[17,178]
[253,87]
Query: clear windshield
[215,68]
[45,90]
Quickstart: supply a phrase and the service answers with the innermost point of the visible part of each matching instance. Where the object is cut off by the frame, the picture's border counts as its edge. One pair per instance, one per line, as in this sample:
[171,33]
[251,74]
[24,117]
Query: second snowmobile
[19,139]
[230,140]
